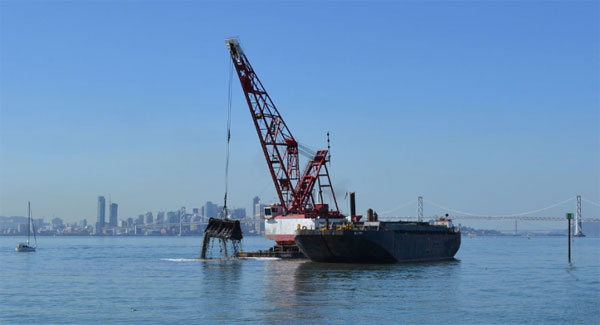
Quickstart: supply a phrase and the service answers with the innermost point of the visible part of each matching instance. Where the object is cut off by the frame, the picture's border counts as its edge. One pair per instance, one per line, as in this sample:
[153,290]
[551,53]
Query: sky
[487,107]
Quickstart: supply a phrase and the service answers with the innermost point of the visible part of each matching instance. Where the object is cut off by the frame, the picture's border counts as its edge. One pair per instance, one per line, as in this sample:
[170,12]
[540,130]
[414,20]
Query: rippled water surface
[111,280]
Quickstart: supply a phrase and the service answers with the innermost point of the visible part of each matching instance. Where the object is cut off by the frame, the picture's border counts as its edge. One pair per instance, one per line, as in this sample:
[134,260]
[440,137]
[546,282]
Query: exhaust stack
[352,205]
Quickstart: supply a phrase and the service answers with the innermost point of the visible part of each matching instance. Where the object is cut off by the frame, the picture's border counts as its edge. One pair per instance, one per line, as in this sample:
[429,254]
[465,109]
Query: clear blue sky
[487,107]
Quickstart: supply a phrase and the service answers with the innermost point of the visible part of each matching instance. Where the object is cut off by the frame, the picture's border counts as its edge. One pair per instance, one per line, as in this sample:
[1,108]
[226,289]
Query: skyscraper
[210,210]
[160,217]
[172,217]
[149,218]
[112,221]
[256,207]
[258,213]
[101,220]
[255,201]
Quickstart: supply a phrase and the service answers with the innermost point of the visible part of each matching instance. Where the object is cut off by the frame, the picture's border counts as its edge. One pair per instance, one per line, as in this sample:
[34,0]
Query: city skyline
[179,222]
[208,208]
[211,210]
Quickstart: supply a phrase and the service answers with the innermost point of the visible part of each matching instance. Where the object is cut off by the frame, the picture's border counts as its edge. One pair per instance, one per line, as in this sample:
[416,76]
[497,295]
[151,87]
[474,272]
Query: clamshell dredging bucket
[222,229]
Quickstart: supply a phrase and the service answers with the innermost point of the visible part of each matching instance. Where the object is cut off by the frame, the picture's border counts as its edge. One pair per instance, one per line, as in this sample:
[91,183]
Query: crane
[297,205]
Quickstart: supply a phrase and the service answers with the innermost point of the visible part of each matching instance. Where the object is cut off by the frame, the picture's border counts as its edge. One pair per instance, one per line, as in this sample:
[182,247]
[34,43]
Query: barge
[381,242]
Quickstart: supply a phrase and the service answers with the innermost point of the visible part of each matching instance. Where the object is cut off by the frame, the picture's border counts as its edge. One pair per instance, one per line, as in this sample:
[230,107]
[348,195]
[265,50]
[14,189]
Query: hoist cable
[228,138]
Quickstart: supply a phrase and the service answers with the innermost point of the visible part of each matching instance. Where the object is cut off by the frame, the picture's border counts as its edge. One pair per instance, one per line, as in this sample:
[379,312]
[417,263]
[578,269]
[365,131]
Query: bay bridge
[521,216]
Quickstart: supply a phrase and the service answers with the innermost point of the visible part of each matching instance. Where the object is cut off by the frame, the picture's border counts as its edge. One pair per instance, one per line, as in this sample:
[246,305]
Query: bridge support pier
[578,232]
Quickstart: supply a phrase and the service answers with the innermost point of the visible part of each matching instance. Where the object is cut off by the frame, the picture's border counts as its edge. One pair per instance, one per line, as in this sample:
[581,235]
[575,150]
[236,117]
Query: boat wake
[181,259]
[260,258]
[218,259]
[199,259]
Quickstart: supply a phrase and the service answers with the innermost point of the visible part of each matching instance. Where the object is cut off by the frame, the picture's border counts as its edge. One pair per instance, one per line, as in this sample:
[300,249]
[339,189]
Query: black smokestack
[352,205]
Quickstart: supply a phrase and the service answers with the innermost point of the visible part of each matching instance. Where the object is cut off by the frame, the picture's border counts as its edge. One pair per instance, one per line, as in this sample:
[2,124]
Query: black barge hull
[378,246]
[277,251]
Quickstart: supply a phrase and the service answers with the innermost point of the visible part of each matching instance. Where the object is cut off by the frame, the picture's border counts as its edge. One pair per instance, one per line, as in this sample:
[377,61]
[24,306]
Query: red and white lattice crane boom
[295,191]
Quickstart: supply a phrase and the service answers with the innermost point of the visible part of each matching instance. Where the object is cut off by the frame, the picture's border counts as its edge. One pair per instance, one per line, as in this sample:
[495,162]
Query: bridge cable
[507,215]
[590,201]
[401,206]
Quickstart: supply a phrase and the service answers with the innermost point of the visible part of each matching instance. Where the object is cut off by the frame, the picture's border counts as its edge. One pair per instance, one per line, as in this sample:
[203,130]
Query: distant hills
[591,229]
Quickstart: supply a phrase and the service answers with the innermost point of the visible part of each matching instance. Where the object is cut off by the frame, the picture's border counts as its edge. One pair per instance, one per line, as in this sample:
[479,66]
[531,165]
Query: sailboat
[27,247]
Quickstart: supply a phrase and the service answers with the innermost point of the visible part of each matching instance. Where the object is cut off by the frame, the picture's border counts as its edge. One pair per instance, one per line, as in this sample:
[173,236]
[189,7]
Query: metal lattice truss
[279,146]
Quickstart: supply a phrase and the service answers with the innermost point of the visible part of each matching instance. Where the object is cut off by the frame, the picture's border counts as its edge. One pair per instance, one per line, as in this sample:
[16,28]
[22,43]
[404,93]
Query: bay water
[160,280]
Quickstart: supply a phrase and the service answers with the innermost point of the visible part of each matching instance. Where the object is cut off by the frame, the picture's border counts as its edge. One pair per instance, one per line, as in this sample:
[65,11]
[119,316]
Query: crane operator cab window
[272,211]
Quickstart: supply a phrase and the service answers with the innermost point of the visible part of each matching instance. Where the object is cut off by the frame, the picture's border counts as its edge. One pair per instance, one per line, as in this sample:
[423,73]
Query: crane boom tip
[233,45]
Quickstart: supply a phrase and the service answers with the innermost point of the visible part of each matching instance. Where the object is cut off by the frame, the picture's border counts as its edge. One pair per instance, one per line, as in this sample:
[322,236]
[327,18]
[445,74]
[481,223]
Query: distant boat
[27,247]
